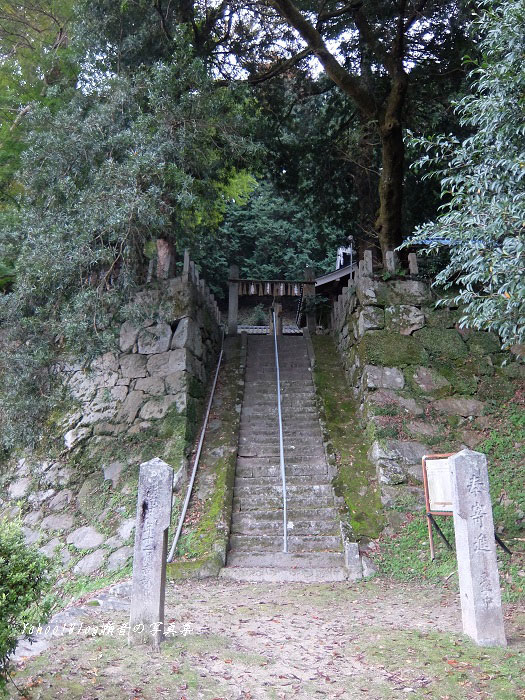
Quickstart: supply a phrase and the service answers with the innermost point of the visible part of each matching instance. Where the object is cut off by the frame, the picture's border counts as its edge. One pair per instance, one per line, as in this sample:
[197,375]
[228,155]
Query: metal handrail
[281,442]
[197,457]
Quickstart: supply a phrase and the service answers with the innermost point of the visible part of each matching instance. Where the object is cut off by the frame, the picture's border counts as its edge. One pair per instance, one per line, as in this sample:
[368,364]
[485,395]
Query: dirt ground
[231,641]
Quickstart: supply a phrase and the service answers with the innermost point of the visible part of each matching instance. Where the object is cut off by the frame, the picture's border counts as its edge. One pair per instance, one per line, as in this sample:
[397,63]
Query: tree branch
[350,84]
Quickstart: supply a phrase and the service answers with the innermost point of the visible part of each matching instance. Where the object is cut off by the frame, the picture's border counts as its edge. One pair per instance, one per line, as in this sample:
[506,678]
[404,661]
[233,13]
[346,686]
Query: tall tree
[482,222]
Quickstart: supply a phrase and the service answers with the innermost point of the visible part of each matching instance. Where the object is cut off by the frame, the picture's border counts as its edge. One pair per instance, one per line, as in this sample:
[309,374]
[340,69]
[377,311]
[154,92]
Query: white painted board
[439,485]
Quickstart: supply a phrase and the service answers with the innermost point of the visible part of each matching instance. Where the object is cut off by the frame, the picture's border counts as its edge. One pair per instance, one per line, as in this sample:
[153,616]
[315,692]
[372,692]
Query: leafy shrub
[24,578]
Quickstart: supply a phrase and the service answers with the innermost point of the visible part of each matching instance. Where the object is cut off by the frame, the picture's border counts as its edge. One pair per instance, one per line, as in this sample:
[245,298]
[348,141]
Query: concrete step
[245,524]
[290,560]
[294,513]
[291,479]
[258,574]
[301,543]
[264,462]
[258,374]
[271,501]
[291,452]
[309,471]
[268,441]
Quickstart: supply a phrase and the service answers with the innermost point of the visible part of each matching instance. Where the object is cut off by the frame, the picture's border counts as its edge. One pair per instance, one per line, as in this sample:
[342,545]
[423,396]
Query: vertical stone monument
[146,622]
[476,549]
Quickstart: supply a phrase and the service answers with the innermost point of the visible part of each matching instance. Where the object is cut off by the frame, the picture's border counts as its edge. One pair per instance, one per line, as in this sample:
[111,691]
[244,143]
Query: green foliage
[151,154]
[24,579]
[269,237]
[482,220]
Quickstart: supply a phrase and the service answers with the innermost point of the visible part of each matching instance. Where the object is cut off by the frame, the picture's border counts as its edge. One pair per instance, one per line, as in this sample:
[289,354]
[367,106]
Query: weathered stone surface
[392,350]
[397,461]
[85,538]
[442,342]
[38,497]
[150,551]
[131,406]
[176,382]
[384,397]
[86,494]
[30,536]
[410,498]
[49,548]
[459,406]
[440,317]
[383,377]
[188,335]
[428,380]
[133,366]
[155,339]
[419,427]
[57,522]
[483,343]
[113,471]
[104,428]
[76,435]
[126,528]
[371,317]
[167,362]
[128,336]
[61,500]
[479,585]
[153,386]
[19,488]
[410,292]
[108,362]
[518,351]
[404,319]
[33,517]
[90,563]
[118,558]
[157,408]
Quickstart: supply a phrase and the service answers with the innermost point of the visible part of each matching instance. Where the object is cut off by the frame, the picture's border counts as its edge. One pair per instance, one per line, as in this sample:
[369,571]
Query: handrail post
[281,442]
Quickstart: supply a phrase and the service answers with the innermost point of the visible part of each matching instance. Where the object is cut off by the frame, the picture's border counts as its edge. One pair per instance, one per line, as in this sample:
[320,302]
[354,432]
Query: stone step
[264,462]
[291,479]
[274,470]
[252,430]
[290,560]
[301,543]
[274,500]
[291,453]
[257,574]
[243,524]
[271,441]
[258,373]
[293,513]
[290,394]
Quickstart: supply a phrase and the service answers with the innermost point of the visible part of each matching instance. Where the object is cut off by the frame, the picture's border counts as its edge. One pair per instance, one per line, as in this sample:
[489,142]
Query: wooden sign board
[438,491]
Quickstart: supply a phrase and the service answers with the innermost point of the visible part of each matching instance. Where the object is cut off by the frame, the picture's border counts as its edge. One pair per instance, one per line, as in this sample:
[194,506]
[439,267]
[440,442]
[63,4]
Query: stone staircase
[315,548]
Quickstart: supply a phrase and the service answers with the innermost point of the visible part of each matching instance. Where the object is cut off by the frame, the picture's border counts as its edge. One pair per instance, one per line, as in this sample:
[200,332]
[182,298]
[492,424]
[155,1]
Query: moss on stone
[355,481]
[440,317]
[462,379]
[391,349]
[483,343]
[442,342]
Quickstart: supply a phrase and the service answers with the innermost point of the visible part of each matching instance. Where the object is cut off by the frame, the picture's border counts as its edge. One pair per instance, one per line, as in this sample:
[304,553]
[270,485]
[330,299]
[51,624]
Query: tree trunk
[389,220]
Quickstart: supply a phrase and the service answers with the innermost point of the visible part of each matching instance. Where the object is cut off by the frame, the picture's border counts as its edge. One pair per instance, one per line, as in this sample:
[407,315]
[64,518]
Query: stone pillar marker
[309,291]
[146,622]
[479,586]
[233,300]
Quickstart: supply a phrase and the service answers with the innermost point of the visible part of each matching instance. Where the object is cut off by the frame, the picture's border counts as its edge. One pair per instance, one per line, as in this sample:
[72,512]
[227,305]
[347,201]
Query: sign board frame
[430,513]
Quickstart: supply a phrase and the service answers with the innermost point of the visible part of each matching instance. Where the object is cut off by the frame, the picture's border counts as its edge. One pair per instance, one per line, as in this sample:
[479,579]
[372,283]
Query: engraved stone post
[476,550]
[233,303]
[146,620]
[391,261]
[165,259]
[412,264]
[309,291]
[368,267]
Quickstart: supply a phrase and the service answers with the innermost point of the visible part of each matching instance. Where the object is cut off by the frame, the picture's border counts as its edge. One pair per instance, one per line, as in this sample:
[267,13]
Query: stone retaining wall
[424,385]
[144,400]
